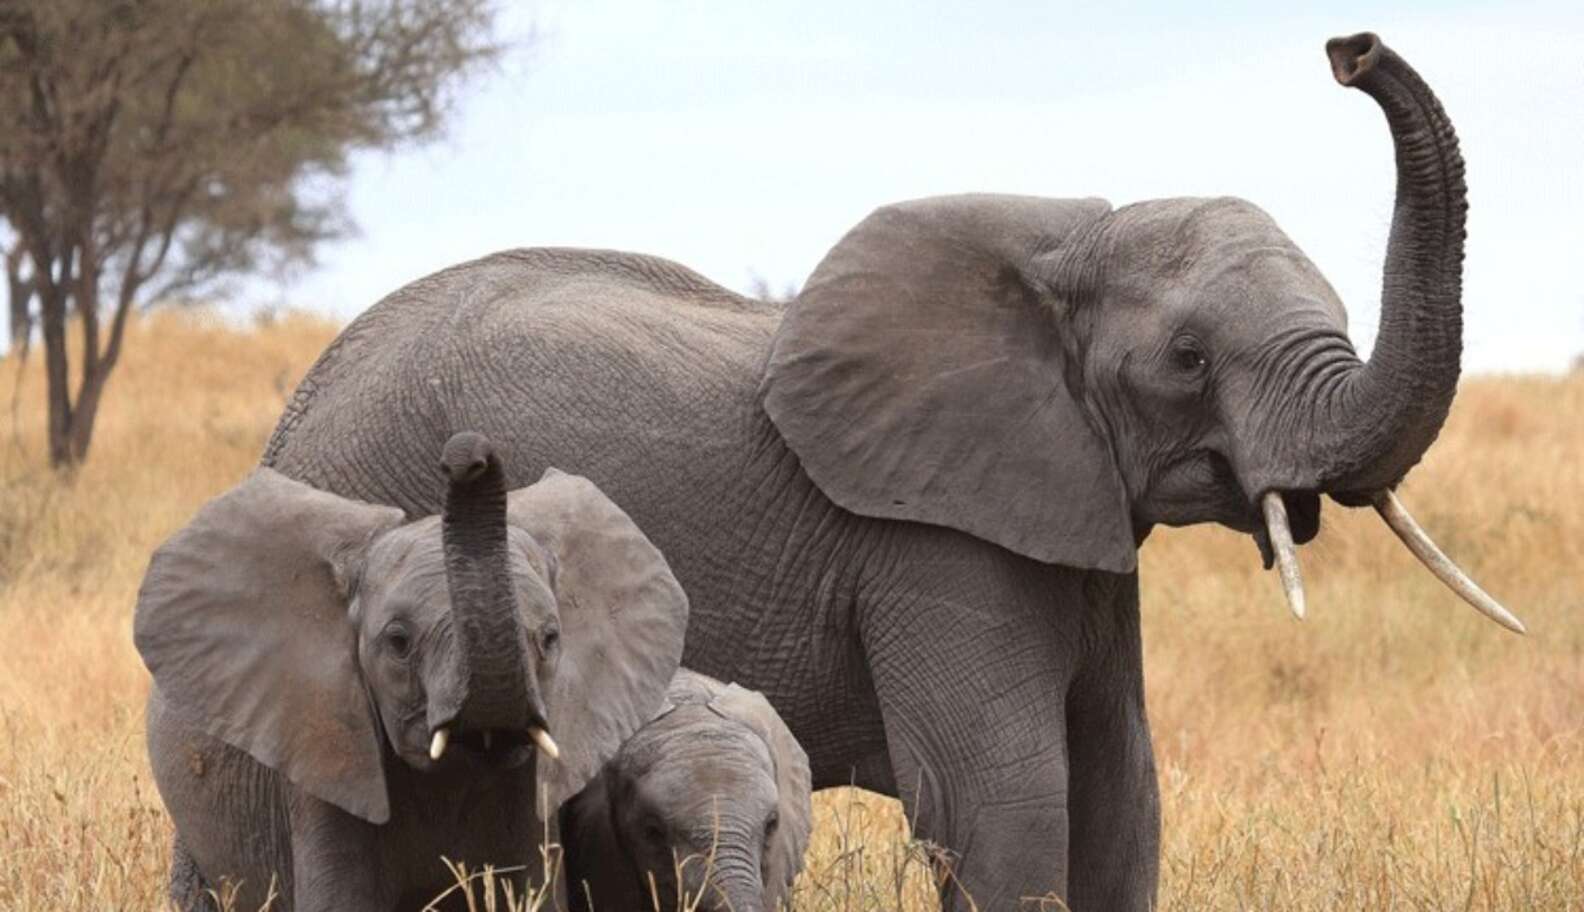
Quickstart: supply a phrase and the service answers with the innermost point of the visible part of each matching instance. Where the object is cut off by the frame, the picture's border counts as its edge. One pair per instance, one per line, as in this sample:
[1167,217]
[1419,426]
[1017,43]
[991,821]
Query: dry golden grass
[1393,752]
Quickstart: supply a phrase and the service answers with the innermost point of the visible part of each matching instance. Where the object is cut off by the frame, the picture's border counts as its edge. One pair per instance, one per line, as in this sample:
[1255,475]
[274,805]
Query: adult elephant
[907,506]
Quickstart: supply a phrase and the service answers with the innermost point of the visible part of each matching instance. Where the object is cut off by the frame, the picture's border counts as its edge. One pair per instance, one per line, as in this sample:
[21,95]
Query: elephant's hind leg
[189,892]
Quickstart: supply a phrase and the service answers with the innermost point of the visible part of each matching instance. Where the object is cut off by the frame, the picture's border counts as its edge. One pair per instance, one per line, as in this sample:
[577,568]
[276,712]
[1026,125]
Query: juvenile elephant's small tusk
[545,742]
[1286,554]
[438,745]
[1397,517]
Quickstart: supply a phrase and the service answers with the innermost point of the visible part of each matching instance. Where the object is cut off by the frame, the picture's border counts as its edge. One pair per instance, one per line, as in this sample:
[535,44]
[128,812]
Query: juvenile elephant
[714,788]
[341,697]
[907,505]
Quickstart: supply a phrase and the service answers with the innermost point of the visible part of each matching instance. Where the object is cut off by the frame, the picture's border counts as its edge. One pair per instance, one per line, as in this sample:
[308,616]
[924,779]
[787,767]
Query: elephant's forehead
[698,749]
[1225,256]
[407,547]
[1176,234]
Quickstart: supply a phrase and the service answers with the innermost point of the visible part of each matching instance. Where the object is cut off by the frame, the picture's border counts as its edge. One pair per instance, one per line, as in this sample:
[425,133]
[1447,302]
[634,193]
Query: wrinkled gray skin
[906,507]
[305,647]
[714,787]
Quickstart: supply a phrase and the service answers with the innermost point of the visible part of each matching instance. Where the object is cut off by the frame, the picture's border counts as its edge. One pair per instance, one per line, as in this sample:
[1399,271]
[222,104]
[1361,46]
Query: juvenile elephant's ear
[623,615]
[919,375]
[794,785]
[242,620]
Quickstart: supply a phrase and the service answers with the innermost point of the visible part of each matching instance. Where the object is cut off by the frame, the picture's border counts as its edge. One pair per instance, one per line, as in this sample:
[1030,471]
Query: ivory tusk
[1397,517]
[545,742]
[438,745]
[1286,553]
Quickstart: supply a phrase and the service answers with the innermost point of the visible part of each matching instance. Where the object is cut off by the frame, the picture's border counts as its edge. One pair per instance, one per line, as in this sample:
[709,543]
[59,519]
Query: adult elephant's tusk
[1286,553]
[545,742]
[1397,517]
[438,745]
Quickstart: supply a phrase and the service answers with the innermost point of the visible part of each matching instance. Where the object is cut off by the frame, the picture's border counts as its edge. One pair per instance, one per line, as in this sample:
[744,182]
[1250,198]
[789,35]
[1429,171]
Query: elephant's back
[589,360]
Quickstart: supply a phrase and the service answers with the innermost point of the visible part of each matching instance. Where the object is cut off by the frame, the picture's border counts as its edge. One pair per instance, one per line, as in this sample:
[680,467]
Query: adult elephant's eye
[771,824]
[398,641]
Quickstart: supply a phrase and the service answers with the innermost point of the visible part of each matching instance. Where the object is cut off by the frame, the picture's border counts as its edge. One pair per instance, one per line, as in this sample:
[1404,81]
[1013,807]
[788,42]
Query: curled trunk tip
[467,456]
[1353,57]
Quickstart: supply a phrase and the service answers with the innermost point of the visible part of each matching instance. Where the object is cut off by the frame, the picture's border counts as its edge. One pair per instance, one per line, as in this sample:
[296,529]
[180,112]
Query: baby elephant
[714,788]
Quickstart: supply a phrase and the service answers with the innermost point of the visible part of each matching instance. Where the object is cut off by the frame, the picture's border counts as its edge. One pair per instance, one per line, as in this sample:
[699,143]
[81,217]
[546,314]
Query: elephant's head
[1057,376]
[319,633]
[710,800]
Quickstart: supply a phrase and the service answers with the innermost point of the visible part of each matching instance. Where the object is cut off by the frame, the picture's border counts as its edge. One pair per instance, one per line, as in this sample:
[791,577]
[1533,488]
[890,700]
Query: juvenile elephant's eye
[654,831]
[1187,357]
[549,640]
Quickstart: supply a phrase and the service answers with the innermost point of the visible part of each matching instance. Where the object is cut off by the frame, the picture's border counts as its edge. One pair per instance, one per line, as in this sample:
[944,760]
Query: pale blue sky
[745,138]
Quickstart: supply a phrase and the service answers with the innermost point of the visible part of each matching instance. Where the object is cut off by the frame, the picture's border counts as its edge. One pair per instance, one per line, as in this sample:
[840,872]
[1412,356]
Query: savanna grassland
[1395,751]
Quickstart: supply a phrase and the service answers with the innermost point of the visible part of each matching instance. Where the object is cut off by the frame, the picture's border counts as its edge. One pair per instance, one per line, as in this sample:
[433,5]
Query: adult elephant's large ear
[920,375]
[794,809]
[242,620]
[623,615]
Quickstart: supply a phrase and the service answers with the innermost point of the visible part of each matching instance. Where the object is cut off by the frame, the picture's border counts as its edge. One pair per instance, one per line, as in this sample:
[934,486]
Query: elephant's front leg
[336,860]
[1115,798]
[971,673]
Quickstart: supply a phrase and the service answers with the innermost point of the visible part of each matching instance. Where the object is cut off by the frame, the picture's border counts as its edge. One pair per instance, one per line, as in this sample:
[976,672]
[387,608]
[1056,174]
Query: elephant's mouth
[498,748]
[1230,504]
[492,748]
[1303,516]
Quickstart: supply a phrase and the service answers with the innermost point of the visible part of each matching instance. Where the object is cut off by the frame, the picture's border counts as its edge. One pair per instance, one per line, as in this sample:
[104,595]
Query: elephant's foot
[1001,840]
[1011,856]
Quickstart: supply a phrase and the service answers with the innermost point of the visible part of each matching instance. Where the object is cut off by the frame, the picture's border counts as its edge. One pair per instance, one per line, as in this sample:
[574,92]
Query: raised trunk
[1376,422]
[490,639]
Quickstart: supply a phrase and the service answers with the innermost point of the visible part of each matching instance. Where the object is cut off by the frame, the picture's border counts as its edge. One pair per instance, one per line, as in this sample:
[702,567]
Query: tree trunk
[52,313]
[21,323]
[86,411]
[20,297]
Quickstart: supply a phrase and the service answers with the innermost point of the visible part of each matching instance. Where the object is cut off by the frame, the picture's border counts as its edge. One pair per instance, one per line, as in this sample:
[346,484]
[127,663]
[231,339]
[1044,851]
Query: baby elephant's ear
[242,620]
[623,615]
[793,785]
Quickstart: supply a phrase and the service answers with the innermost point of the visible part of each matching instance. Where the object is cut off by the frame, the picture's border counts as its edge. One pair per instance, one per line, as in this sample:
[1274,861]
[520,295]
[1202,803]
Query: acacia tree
[151,148]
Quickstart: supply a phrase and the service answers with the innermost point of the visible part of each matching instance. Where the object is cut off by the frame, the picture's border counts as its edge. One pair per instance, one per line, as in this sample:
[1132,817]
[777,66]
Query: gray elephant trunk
[491,643]
[1375,422]
[733,886]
